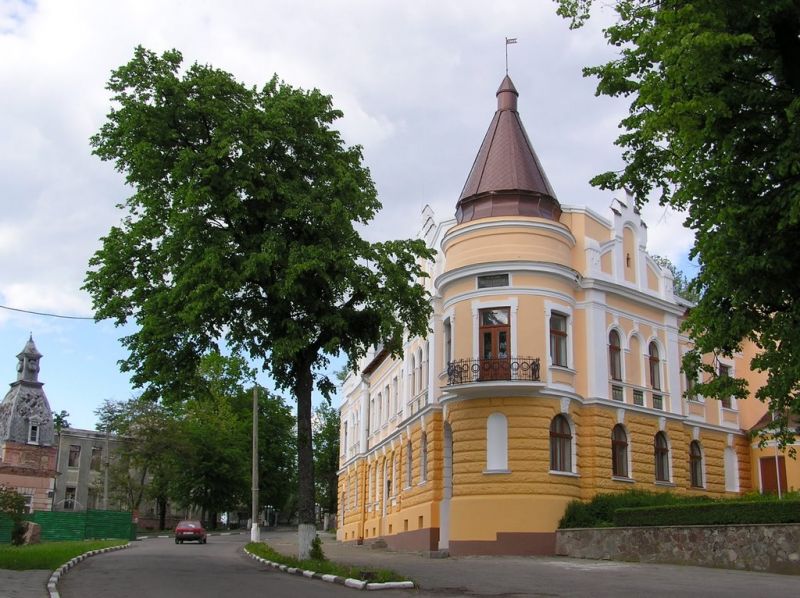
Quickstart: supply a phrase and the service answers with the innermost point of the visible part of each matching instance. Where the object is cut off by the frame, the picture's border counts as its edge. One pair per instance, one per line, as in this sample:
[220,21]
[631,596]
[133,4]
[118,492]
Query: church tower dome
[507,178]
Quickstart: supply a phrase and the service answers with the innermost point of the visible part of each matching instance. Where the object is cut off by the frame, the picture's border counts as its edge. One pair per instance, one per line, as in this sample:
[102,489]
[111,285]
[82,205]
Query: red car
[190,531]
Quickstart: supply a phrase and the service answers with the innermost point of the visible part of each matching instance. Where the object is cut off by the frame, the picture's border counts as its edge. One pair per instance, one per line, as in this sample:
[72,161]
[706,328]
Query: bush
[316,552]
[599,512]
[724,512]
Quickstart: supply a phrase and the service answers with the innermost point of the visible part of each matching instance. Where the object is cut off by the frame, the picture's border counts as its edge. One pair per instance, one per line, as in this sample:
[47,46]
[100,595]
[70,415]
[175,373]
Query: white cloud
[415,79]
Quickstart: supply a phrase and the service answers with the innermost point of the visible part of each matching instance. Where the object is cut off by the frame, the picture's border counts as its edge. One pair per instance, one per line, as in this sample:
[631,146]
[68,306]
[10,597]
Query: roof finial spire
[509,40]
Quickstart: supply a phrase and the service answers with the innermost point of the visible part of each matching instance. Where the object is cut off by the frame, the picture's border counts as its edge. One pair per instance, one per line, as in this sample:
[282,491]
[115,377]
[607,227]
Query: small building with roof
[551,373]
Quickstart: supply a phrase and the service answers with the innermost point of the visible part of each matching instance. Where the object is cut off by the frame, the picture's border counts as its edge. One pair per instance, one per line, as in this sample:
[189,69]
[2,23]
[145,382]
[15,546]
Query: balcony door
[495,343]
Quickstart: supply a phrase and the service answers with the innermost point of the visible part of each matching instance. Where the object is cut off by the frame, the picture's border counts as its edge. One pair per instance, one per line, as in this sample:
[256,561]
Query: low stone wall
[772,548]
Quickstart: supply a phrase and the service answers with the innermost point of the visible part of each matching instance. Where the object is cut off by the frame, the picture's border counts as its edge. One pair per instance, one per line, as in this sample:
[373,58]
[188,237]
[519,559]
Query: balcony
[469,371]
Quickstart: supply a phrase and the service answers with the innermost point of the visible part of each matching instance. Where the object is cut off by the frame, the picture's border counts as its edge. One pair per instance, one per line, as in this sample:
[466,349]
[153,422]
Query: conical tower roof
[507,178]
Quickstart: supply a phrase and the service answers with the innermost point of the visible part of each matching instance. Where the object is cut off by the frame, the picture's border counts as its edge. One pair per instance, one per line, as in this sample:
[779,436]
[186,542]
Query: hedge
[599,512]
[714,513]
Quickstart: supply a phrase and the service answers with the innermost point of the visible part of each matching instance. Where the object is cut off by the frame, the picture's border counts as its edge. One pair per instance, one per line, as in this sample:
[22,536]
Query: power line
[41,313]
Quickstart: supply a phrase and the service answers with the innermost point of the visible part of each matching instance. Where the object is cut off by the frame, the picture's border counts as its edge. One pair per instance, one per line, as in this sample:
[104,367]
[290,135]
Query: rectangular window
[69,498]
[616,393]
[558,339]
[691,395]
[448,342]
[97,458]
[725,372]
[658,401]
[33,433]
[398,407]
[492,280]
[638,397]
[74,455]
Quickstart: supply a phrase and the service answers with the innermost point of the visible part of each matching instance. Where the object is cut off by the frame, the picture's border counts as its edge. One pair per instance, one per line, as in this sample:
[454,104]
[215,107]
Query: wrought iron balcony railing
[467,371]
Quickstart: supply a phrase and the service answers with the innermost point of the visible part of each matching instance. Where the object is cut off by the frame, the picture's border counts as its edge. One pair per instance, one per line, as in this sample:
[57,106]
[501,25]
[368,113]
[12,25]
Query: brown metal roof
[507,178]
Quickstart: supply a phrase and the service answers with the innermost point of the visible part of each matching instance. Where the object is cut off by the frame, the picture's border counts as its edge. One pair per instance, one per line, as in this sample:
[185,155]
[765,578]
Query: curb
[62,570]
[171,535]
[349,581]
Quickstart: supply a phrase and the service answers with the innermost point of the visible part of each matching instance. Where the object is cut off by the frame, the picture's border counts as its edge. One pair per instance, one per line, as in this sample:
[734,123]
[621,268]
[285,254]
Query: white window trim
[565,310]
[513,307]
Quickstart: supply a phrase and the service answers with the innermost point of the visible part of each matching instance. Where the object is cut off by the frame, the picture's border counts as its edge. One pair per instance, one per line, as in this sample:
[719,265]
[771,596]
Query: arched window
[409,465]
[619,451]
[614,355]
[696,464]
[420,372]
[560,444]
[661,449]
[391,485]
[496,442]
[655,367]
[413,374]
[423,458]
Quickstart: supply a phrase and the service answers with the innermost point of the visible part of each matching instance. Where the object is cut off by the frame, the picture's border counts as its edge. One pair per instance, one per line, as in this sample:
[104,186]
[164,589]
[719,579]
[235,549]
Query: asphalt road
[159,568]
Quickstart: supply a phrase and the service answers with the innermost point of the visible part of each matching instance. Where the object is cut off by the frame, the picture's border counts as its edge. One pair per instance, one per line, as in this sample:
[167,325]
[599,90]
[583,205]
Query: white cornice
[633,294]
[510,266]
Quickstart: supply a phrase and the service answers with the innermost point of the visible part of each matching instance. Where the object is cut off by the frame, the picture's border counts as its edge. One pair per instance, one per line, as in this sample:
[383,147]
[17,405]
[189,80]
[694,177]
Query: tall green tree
[326,455]
[242,229]
[142,462]
[713,128]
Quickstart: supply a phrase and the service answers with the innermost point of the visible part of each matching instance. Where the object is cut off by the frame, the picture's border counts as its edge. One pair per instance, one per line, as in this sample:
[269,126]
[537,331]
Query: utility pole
[255,534]
[105,476]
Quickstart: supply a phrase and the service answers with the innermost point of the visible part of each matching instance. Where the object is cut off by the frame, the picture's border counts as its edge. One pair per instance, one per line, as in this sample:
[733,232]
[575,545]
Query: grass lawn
[327,567]
[48,555]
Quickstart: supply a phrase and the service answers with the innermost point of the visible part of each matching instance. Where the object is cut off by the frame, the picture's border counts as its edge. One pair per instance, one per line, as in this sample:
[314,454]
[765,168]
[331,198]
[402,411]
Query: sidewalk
[543,576]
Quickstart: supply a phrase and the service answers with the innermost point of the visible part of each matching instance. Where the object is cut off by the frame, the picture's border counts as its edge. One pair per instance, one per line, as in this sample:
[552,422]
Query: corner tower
[507,178]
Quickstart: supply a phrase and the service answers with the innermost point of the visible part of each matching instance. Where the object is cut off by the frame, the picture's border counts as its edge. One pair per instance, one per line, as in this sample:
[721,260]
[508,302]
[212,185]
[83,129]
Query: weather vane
[509,40]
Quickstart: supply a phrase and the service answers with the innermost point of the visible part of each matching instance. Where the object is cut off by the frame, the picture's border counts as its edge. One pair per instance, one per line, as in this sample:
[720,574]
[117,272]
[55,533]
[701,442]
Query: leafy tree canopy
[241,230]
[326,455]
[713,128]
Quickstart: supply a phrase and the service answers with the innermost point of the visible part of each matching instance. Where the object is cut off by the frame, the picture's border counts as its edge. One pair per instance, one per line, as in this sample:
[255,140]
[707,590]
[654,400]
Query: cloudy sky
[415,79]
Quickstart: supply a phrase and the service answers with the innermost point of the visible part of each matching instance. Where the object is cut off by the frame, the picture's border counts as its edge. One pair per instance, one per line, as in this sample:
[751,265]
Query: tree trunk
[162,512]
[306,528]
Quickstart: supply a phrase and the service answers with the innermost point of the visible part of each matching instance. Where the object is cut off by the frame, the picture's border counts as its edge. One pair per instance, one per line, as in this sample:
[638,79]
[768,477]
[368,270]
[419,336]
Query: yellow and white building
[552,372]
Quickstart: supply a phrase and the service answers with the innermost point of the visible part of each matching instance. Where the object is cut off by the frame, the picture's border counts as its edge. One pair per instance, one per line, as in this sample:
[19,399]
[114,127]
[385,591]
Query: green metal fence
[80,525]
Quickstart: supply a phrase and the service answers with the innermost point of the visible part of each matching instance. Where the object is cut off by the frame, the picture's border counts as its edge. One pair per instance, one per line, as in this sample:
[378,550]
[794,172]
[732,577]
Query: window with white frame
[619,451]
[409,465]
[725,372]
[558,339]
[448,342]
[560,444]
[423,458]
[614,355]
[696,464]
[661,455]
[486,281]
[655,366]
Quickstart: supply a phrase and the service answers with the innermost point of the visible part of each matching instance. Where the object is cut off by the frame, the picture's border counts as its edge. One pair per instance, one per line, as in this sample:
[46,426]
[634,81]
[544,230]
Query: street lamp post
[255,535]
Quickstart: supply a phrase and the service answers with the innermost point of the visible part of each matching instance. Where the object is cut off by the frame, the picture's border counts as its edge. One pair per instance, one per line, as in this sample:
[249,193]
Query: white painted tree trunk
[306,532]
